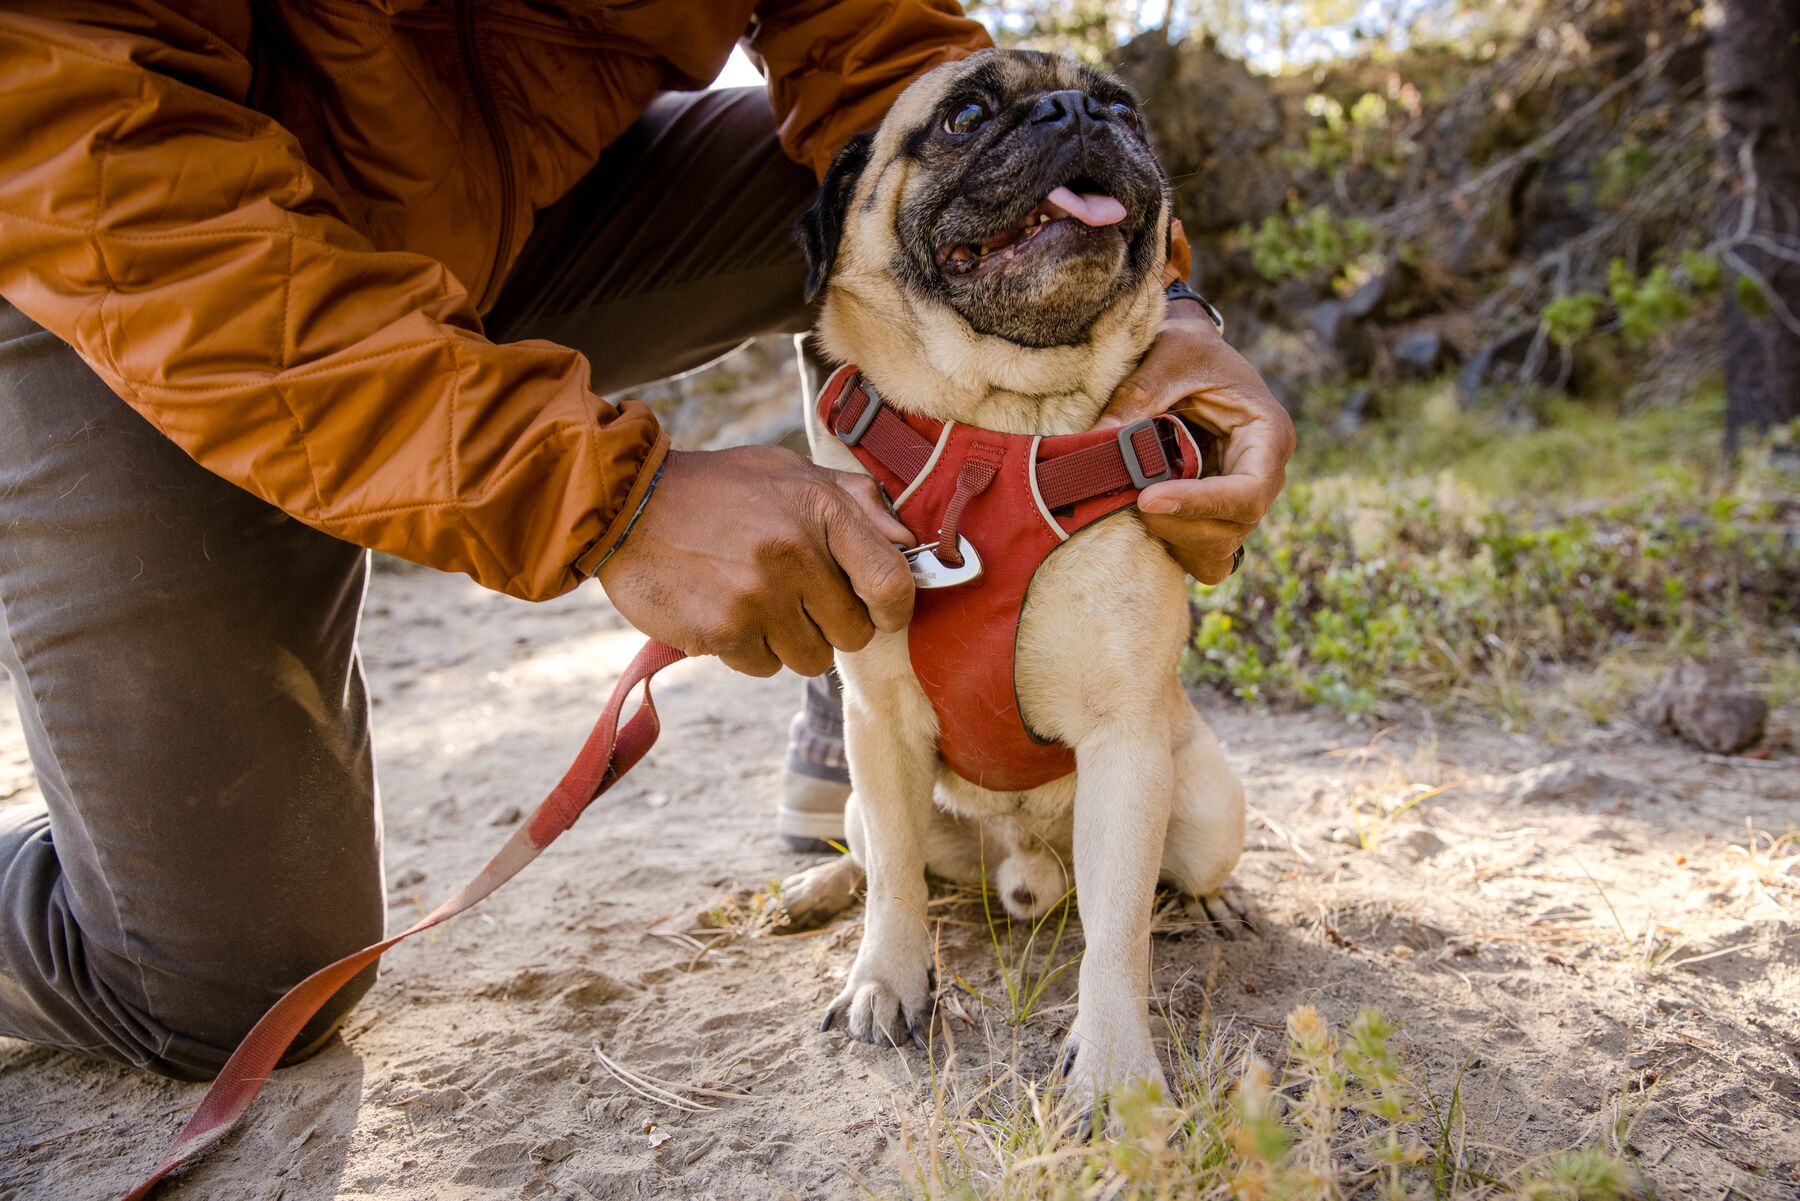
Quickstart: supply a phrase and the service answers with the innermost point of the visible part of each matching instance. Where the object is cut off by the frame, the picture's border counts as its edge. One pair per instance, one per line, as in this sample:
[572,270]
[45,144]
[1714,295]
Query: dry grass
[1344,1115]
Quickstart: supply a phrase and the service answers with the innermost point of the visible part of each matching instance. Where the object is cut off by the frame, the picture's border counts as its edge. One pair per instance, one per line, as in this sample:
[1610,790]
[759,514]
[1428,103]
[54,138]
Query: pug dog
[992,255]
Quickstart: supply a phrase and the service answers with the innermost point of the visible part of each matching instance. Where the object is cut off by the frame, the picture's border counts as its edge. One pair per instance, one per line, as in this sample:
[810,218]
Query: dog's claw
[1068,1062]
[1225,917]
[831,1016]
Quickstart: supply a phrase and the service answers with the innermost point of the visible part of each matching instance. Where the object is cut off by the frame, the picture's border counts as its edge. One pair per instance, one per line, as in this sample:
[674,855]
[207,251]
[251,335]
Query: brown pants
[210,833]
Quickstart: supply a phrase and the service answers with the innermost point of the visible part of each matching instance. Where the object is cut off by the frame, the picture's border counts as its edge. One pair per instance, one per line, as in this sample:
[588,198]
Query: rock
[1705,704]
[1295,295]
[1393,293]
[1217,126]
[508,815]
[412,877]
[1340,334]
[1501,362]
[1350,418]
[1565,781]
[1419,352]
[1292,364]
[1369,295]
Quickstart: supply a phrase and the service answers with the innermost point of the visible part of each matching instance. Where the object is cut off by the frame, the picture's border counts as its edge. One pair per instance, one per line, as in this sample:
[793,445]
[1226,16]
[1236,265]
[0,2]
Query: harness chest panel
[1015,498]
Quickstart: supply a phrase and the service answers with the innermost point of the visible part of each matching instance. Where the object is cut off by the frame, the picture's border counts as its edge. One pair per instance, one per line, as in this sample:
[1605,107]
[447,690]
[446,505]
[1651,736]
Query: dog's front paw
[886,1000]
[821,892]
[1098,1065]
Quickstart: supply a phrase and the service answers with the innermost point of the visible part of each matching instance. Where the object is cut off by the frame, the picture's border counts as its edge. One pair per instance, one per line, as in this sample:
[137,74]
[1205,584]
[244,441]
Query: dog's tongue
[1096,208]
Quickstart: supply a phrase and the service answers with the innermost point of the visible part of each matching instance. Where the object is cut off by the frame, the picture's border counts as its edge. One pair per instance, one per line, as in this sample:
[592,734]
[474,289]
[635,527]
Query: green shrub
[1356,593]
[1571,318]
[1305,242]
[1647,305]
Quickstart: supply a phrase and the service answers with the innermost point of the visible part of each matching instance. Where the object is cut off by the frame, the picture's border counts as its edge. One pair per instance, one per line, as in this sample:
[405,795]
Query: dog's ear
[821,227]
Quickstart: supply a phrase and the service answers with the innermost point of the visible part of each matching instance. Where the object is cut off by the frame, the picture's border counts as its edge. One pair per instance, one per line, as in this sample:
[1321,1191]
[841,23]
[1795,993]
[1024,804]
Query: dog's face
[1014,189]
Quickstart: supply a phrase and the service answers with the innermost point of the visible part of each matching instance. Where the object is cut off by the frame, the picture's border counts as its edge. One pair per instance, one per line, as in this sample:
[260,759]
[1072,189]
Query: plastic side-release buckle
[1128,450]
[864,419]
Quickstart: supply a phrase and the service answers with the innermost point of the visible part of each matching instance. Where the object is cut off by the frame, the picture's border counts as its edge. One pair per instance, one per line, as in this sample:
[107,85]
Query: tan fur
[1103,626]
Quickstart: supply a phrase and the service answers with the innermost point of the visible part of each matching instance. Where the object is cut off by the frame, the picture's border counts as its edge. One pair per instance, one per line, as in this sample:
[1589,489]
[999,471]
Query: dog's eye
[966,118]
[1123,112]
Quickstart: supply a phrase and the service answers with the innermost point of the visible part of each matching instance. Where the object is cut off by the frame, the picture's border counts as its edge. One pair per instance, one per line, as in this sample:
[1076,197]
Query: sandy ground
[470,1071]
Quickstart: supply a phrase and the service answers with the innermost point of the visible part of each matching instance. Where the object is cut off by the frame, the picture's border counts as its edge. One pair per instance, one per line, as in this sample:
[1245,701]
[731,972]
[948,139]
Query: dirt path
[470,1070]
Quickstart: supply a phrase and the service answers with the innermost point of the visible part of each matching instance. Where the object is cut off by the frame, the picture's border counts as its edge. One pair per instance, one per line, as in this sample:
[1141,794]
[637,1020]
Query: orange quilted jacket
[270,228]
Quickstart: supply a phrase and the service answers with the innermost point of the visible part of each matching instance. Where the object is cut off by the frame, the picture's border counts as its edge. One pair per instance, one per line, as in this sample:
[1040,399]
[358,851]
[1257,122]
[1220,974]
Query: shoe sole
[809,826]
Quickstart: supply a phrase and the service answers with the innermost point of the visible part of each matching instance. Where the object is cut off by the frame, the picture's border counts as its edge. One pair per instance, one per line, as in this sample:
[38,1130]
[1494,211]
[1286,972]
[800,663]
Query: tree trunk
[1753,70]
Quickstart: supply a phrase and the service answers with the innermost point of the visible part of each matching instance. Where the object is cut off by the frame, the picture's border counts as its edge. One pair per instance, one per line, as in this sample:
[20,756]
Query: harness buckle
[864,420]
[929,571]
[1133,464]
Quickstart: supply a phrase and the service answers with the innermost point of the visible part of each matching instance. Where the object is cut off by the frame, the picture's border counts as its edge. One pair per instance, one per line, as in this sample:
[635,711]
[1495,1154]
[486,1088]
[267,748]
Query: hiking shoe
[811,817]
[815,782]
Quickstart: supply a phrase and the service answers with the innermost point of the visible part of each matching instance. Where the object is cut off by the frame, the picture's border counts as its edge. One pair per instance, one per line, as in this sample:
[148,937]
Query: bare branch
[1538,145]
[1786,315]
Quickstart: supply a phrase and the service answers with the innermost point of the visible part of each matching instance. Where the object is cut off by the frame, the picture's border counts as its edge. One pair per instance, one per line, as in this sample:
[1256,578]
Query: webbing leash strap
[610,752]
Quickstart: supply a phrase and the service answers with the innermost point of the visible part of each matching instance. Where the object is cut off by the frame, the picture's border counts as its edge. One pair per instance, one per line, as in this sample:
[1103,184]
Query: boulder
[1501,362]
[1340,334]
[1707,705]
[1564,782]
[1419,353]
[1356,409]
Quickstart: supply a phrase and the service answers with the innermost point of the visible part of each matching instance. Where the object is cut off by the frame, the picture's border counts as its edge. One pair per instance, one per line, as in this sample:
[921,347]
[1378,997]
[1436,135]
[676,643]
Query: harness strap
[610,752]
[1098,470]
[978,471]
[1140,455]
[902,449]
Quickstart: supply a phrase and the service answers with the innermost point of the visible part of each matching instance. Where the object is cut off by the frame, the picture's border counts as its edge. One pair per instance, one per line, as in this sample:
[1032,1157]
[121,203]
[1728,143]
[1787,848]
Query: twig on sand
[1280,831]
[1744,761]
[662,1092]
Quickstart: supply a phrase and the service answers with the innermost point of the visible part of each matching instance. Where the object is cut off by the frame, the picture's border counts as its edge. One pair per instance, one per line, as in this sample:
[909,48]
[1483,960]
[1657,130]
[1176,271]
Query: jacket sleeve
[834,68]
[185,249]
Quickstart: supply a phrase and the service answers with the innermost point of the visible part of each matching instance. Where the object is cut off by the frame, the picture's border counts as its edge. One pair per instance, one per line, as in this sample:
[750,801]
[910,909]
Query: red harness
[1013,499]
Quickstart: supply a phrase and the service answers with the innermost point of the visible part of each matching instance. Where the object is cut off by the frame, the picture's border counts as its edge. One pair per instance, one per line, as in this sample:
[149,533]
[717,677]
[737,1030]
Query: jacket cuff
[616,531]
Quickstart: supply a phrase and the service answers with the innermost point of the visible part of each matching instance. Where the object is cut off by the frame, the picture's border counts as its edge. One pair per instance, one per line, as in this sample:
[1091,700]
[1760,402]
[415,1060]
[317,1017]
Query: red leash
[607,755]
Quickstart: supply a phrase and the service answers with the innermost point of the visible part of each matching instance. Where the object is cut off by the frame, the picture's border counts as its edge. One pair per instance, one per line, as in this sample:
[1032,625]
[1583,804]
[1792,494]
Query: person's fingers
[876,570]
[1239,499]
[833,606]
[799,644]
[1261,453]
[749,654]
[1204,548]
[869,498]
[1208,570]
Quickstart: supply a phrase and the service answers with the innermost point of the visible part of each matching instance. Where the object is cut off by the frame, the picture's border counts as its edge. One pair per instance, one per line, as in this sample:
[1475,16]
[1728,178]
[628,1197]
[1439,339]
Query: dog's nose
[1069,108]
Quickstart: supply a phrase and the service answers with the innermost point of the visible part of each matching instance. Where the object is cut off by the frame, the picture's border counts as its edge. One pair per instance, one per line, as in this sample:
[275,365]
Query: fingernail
[1158,505]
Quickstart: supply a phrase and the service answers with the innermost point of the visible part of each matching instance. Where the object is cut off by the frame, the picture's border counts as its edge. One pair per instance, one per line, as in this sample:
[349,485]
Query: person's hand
[763,559]
[1191,370]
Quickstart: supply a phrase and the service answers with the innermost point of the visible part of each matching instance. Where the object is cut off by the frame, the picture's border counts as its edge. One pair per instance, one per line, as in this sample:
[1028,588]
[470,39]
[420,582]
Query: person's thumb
[877,571]
[866,494]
